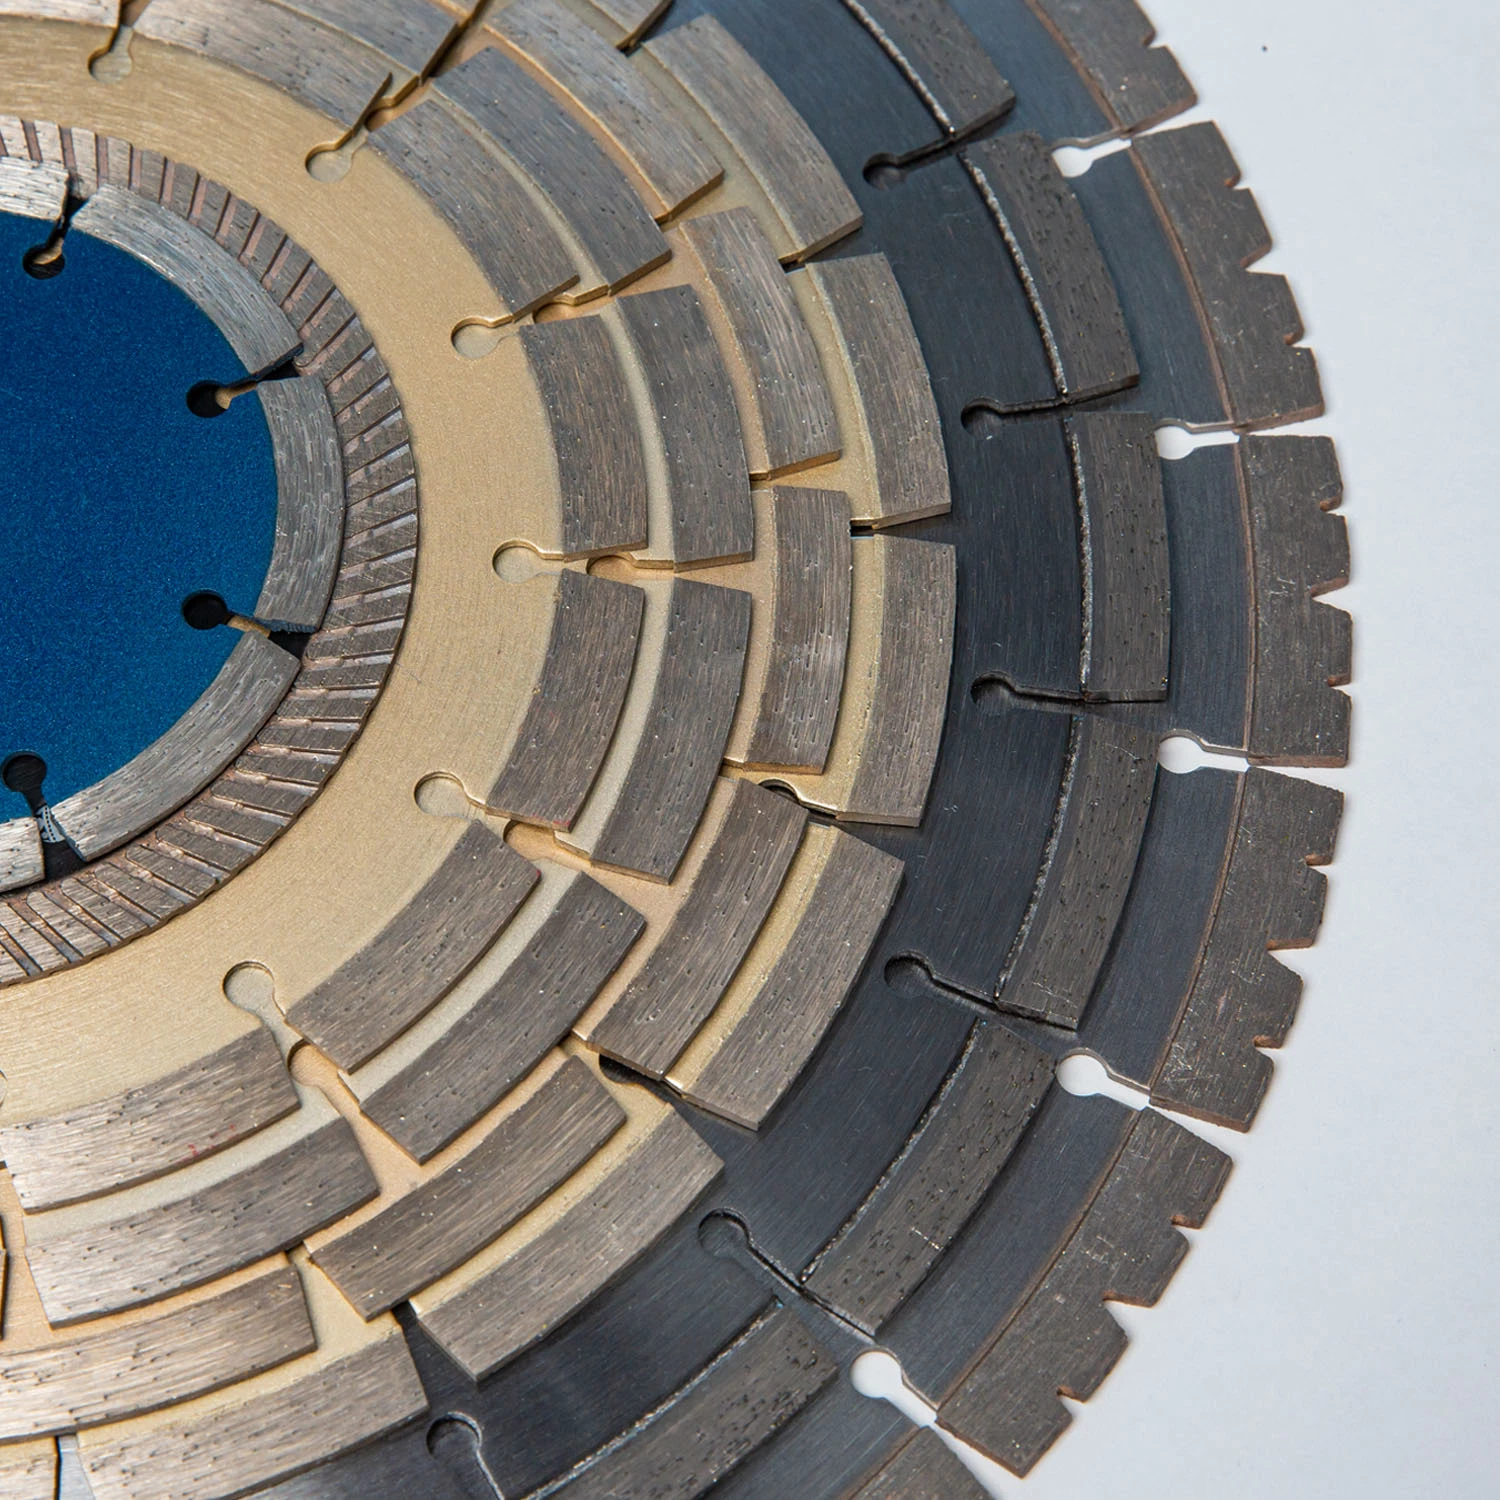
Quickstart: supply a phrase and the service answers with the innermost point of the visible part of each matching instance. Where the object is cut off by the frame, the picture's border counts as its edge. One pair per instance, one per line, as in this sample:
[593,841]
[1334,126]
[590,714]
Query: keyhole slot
[212,398]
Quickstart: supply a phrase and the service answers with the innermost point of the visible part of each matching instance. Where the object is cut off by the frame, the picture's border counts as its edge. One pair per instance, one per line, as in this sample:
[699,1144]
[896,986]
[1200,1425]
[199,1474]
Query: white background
[1334,1331]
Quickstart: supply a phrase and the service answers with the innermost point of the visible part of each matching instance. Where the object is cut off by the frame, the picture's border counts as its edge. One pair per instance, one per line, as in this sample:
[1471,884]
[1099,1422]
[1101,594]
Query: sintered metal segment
[185,1349]
[1062,1341]
[411,33]
[788,416]
[890,723]
[887,417]
[651,1023]
[490,1030]
[32,189]
[567,729]
[251,1200]
[599,960]
[939,54]
[1127,587]
[330,73]
[1302,648]
[359,1382]
[956,1152]
[626,20]
[309,473]
[200,745]
[1242,999]
[797,707]
[148,1131]
[533,1279]
[584,191]
[615,99]
[1076,306]
[1137,84]
[744,1062]
[760,1382]
[1081,889]
[402,970]
[21,861]
[29,1470]
[513,242]
[923,1470]
[417,1231]
[1250,317]
[703,514]
[813,206]
[643,812]
[244,312]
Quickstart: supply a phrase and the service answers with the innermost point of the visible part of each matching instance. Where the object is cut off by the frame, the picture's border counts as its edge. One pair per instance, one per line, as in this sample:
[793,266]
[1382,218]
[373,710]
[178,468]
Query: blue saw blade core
[116,503]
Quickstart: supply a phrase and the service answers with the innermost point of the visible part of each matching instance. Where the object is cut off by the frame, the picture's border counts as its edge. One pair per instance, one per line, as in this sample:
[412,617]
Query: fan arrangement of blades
[595,955]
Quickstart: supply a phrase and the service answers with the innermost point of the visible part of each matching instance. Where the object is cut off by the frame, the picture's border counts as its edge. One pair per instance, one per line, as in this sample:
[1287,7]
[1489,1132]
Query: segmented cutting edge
[673,843]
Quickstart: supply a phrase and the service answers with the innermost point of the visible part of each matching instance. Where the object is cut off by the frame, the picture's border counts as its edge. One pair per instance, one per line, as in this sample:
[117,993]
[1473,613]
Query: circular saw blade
[606,964]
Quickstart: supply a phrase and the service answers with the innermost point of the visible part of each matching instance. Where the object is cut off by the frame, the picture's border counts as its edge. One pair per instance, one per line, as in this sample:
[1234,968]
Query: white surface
[1334,1331]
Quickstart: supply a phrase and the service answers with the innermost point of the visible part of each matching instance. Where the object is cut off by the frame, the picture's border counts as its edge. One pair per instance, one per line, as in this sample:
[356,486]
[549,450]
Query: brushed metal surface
[706,514]
[572,716]
[187,757]
[787,161]
[146,1132]
[404,969]
[491,1029]
[601,460]
[619,102]
[790,423]
[688,970]
[946,65]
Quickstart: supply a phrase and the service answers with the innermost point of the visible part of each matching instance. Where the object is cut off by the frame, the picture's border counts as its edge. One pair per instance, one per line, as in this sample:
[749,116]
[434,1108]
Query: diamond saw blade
[597,593]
